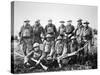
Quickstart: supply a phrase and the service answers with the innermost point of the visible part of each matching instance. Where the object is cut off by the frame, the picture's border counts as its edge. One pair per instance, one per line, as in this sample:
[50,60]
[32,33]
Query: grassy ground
[20,68]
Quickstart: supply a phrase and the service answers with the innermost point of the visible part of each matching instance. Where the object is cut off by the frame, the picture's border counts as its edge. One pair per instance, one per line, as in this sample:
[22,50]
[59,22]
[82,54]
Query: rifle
[74,53]
[70,54]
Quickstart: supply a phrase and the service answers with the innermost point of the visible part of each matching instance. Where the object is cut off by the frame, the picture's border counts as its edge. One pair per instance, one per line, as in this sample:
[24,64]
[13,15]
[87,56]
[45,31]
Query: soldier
[69,28]
[35,54]
[51,29]
[62,29]
[60,45]
[87,37]
[79,38]
[78,32]
[26,37]
[38,32]
[48,48]
[48,51]
[69,33]
[60,48]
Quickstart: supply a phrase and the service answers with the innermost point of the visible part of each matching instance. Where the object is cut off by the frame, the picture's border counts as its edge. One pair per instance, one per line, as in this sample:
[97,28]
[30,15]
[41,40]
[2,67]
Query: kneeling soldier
[48,50]
[60,48]
[33,57]
[48,45]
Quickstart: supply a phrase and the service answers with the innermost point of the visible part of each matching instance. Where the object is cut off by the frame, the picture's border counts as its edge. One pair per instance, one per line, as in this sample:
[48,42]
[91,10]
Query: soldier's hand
[25,59]
[37,62]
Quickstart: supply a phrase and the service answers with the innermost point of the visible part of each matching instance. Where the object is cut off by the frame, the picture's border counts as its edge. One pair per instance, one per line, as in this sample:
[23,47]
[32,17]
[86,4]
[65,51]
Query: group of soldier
[56,44]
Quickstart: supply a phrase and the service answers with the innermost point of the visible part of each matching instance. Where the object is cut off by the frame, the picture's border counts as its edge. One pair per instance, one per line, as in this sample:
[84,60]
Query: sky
[56,12]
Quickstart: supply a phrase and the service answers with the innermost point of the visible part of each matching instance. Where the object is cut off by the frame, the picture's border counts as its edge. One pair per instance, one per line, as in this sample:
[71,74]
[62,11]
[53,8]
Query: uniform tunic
[69,29]
[78,33]
[62,30]
[35,55]
[48,46]
[60,47]
[74,45]
[87,36]
[51,29]
[37,32]
[26,38]
[87,33]
[26,31]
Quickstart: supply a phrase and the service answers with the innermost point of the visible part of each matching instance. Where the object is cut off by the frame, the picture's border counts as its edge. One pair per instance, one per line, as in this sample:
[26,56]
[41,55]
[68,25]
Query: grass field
[20,68]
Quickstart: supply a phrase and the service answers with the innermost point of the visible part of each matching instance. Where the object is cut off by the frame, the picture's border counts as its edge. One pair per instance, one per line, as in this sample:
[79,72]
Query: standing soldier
[38,32]
[69,28]
[78,32]
[87,37]
[69,33]
[33,58]
[51,29]
[79,38]
[62,29]
[26,37]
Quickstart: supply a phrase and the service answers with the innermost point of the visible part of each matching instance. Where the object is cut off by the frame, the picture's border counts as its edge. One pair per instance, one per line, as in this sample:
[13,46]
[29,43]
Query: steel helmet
[36,45]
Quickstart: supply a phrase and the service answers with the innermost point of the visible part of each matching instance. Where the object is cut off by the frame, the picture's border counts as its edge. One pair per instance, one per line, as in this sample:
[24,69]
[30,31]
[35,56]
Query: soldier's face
[26,23]
[85,25]
[36,48]
[50,22]
[69,23]
[49,39]
[79,23]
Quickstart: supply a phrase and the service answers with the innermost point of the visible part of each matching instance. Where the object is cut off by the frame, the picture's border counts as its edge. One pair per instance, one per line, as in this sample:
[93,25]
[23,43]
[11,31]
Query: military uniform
[74,44]
[78,32]
[26,37]
[69,33]
[69,28]
[33,55]
[60,46]
[38,30]
[62,29]
[87,37]
[60,49]
[48,46]
[51,29]
[79,38]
